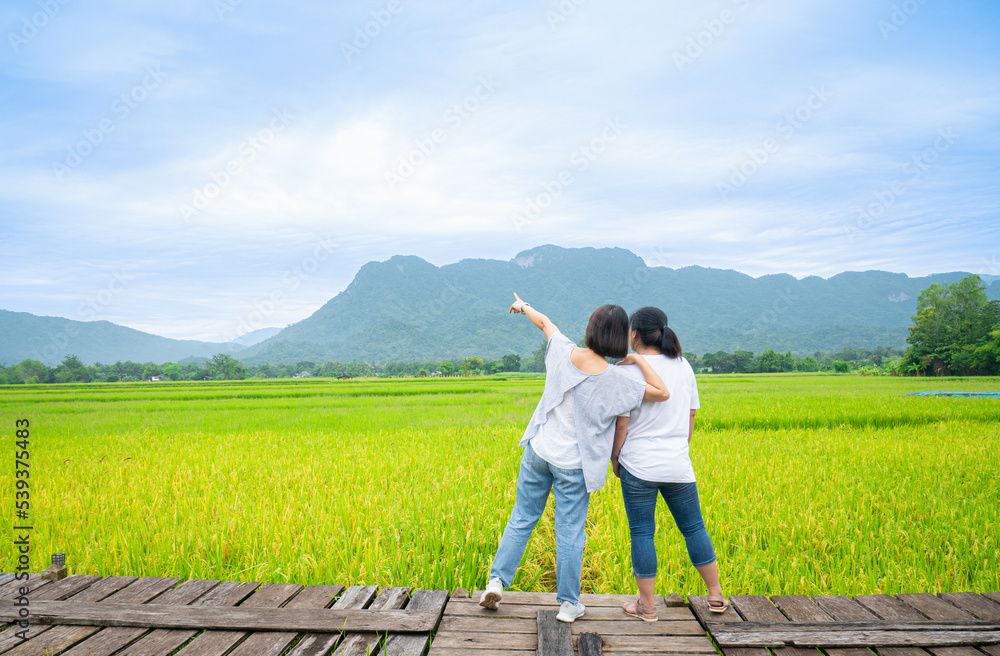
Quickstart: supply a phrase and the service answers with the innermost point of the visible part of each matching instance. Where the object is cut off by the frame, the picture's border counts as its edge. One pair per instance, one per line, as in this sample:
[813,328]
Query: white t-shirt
[656,448]
[556,442]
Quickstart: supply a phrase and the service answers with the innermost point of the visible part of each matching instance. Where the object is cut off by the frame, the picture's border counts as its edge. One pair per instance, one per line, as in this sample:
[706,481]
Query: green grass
[809,484]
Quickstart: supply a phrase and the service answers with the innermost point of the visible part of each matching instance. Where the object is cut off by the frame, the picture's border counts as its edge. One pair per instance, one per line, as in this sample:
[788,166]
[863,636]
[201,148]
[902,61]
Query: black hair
[607,332]
[651,324]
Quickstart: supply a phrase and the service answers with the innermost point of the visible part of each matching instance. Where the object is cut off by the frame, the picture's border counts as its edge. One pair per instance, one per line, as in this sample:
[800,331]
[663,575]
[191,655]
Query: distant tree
[841,366]
[72,370]
[471,364]
[952,324]
[510,362]
[172,371]
[719,362]
[30,372]
[149,370]
[744,362]
[305,365]
[225,365]
[537,361]
[447,368]
[807,364]
[770,362]
[692,359]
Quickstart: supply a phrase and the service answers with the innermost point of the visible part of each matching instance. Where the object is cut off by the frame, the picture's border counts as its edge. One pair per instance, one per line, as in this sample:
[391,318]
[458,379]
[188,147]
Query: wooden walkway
[85,615]
[949,624]
[513,629]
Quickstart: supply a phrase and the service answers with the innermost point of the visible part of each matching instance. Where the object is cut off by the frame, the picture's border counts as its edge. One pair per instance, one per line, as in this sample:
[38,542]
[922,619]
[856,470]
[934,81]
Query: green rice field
[810,484]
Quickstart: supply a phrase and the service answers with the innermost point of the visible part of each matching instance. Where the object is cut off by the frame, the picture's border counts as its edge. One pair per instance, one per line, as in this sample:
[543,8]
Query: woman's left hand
[631,358]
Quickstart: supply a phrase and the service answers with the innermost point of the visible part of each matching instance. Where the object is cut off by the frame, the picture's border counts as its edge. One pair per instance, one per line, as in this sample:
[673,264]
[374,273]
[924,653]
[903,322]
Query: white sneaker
[570,611]
[492,594]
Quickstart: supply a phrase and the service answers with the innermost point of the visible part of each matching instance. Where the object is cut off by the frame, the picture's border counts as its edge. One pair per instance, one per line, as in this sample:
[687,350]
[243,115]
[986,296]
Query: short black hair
[607,331]
[651,324]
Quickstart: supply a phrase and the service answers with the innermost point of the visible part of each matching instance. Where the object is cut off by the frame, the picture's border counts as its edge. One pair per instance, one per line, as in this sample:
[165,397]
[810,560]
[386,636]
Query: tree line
[956,331]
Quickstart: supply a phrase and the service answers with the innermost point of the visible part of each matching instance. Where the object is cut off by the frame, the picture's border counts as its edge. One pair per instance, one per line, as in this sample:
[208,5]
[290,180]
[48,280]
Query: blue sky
[174,166]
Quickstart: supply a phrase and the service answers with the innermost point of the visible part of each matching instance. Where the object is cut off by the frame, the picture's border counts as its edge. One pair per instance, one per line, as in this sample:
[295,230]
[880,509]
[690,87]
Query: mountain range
[408,309]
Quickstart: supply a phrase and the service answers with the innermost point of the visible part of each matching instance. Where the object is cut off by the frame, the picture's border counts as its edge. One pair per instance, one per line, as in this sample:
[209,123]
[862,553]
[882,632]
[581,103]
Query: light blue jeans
[534,482]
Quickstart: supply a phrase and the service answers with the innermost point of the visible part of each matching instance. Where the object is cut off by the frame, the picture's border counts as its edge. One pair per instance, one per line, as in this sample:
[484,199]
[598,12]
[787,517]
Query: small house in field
[154,379]
[303,374]
[345,377]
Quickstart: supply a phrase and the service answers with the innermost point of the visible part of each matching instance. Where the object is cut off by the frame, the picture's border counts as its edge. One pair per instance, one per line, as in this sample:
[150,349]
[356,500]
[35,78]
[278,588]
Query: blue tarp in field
[985,395]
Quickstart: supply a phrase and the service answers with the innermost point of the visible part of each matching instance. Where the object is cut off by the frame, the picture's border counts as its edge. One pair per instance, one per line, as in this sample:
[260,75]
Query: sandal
[635,610]
[717,604]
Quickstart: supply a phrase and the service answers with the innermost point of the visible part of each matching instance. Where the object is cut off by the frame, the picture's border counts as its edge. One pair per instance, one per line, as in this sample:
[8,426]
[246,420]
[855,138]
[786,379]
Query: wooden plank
[110,640]
[554,637]
[754,608]
[549,599]
[320,644]
[589,644]
[974,604]
[848,610]
[992,596]
[826,627]
[525,611]
[699,604]
[14,588]
[359,644]
[6,577]
[276,642]
[621,624]
[526,642]
[939,609]
[726,636]
[268,598]
[416,645]
[799,608]
[162,642]
[110,589]
[239,618]
[68,587]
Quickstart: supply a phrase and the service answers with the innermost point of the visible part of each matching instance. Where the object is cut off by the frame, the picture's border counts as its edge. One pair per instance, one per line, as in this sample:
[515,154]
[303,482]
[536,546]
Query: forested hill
[408,309]
[50,339]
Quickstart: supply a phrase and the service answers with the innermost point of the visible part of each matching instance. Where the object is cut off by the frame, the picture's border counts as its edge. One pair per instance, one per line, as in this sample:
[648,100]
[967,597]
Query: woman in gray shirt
[567,445]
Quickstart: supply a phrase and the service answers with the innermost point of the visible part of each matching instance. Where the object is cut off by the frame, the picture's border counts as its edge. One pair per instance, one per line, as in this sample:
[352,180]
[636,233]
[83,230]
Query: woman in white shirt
[650,456]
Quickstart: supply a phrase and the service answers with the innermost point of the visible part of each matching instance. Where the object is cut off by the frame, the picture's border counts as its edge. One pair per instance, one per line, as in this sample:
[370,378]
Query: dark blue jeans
[640,506]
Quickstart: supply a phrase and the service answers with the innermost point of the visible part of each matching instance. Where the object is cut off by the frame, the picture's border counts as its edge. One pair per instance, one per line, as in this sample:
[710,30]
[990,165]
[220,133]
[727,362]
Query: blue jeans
[640,506]
[534,481]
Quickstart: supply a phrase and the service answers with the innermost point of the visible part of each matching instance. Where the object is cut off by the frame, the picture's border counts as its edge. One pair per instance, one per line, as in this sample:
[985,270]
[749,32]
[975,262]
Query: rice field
[814,484]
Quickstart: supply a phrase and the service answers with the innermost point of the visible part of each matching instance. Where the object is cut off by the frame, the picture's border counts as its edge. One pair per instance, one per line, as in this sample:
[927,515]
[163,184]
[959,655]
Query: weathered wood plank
[225,619]
[923,625]
[276,642]
[111,589]
[699,604]
[939,609]
[14,587]
[754,608]
[358,644]
[589,644]
[621,624]
[110,640]
[974,604]
[217,643]
[725,636]
[846,609]
[549,599]
[320,644]
[799,608]
[527,642]
[161,642]
[888,607]
[993,596]
[529,611]
[68,587]
[415,645]
[554,637]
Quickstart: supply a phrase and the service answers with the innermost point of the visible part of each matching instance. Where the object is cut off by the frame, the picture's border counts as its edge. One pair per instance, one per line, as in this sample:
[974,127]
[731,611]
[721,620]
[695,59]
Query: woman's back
[656,448]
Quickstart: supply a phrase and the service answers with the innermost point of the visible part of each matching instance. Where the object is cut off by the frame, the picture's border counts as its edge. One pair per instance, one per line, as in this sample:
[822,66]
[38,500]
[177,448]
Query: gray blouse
[598,399]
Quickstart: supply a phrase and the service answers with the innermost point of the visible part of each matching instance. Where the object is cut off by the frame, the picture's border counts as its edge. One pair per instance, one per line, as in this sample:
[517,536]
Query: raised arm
[540,320]
[621,430]
[656,389]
